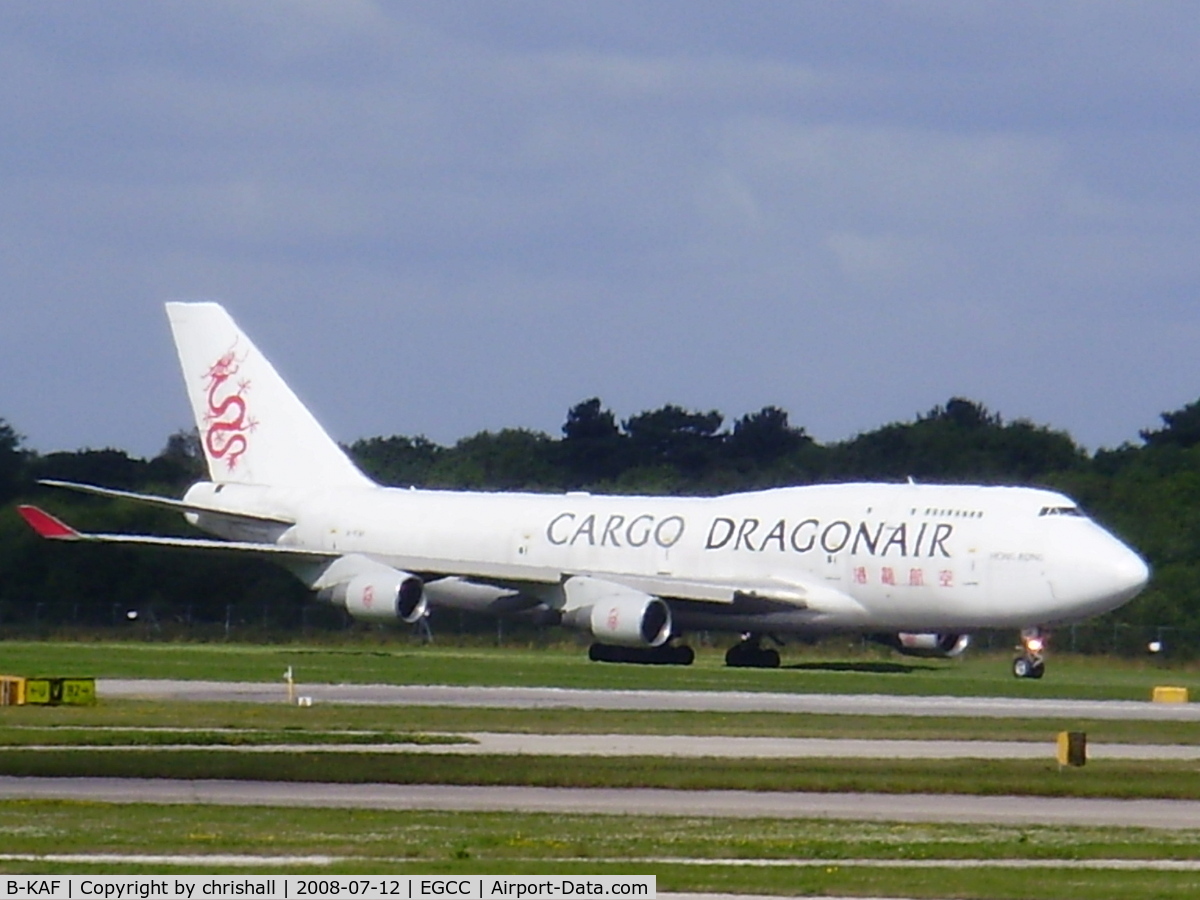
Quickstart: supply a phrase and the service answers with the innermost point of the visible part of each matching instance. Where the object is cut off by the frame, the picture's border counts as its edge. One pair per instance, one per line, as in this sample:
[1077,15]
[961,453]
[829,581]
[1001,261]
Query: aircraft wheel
[1037,670]
[602,653]
[738,655]
[749,655]
[683,655]
[1021,667]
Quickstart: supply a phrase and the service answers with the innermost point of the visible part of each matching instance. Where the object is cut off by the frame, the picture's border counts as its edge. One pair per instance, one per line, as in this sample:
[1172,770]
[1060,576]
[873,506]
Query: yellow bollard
[1164,694]
[1072,748]
[12,690]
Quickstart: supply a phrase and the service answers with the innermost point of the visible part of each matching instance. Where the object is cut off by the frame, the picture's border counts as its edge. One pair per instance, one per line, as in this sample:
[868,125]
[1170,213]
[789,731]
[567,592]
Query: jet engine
[631,621]
[380,596]
[615,614]
[939,646]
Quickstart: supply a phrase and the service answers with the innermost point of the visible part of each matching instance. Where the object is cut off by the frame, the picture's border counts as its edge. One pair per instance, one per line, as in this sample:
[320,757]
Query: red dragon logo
[226,422]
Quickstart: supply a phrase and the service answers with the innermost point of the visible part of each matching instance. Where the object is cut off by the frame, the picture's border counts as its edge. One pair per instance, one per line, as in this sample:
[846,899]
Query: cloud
[446,217]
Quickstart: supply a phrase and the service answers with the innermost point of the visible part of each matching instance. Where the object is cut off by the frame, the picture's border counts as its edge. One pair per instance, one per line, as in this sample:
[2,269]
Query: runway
[686,747]
[692,746]
[1169,814]
[697,701]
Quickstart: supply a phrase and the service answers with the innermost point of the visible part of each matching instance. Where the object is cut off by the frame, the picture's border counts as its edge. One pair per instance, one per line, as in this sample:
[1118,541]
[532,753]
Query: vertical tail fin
[253,428]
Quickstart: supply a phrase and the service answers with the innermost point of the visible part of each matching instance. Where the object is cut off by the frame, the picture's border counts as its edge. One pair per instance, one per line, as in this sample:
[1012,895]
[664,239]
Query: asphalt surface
[1168,814]
[700,701]
[693,747]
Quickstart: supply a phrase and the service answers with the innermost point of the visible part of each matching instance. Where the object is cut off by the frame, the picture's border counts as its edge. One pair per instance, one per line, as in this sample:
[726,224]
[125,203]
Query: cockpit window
[1061,511]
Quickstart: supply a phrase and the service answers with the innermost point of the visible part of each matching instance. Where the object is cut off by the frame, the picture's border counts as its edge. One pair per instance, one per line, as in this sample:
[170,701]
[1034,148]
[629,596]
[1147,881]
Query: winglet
[46,525]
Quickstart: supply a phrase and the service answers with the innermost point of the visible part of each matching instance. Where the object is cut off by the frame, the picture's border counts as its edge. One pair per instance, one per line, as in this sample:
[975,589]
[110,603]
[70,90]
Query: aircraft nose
[1100,576]
[1129,574]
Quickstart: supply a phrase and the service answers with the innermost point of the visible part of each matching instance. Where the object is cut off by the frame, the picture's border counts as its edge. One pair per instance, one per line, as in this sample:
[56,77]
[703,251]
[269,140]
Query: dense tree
[593,447]
[959,441]
[1148,493]
[181,462]
[765,437]
[1181,428]
[12,462]
[510,459]
[398,460]
[673,436]
[964,414]
[108,467]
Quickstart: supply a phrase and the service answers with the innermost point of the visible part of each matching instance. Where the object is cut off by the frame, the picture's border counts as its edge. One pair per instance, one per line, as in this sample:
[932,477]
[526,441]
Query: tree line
[1147,492]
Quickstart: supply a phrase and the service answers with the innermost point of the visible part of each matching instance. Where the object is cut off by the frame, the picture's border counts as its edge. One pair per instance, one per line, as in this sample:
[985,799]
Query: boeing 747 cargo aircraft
[919,566]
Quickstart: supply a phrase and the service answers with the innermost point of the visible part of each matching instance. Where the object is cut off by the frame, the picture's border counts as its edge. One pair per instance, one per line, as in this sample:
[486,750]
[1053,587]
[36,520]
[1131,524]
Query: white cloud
[507,207]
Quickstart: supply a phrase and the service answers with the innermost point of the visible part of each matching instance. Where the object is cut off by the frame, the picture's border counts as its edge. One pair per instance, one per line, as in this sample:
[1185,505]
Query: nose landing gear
[1031,659]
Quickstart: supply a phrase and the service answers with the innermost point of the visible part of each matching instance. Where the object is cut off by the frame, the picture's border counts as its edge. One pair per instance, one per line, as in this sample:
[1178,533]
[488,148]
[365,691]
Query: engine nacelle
[939,646]
[387,597]
[632,622]
[616,614]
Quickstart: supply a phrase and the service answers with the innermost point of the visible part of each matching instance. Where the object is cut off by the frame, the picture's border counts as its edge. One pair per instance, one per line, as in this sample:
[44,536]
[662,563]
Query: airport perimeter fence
[1161,643]
[1108,638]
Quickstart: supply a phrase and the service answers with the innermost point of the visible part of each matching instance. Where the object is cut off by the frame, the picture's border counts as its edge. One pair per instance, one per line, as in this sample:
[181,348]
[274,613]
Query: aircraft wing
[791,594]
[50,527]
[705,591]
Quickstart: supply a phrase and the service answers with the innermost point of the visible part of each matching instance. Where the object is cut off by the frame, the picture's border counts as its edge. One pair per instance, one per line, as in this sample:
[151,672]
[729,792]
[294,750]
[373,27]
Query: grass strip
[370,841]
[832,668]
[41,826]
[99,737]
[1102,778]
[975,884]
[17,724]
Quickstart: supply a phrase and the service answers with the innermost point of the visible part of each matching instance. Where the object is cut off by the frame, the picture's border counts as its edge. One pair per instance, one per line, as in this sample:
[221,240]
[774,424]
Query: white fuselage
[889,557]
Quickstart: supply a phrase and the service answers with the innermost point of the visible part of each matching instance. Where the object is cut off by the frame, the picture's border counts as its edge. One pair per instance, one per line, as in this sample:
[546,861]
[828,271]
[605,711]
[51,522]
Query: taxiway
[698,701]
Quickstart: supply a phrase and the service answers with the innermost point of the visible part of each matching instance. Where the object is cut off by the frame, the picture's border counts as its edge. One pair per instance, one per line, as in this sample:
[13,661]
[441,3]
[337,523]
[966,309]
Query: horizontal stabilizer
[48,526]
[181,506]
[51,527]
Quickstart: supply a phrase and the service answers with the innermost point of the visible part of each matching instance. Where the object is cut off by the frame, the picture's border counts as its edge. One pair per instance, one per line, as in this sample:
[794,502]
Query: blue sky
[443,217]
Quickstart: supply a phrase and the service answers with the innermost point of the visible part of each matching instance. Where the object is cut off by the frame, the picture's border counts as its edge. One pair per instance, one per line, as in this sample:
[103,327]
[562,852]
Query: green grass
[1103,778]
[826,670]
[324,722]
[372,841]
[223,725]
[241,737]
[675,849]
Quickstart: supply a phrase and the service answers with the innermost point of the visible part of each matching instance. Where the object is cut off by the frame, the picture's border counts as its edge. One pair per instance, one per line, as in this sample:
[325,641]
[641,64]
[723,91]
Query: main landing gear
[666,655]
[751,654]
[1031,660]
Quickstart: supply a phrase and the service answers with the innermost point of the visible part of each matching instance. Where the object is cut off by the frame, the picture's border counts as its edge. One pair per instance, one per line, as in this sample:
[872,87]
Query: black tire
[748,655]
[683,655]
[736,656]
